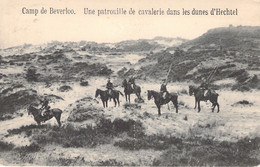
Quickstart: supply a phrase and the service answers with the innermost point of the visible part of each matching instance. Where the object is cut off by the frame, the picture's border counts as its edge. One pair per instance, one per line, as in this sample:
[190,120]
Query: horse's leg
[138,95]
[118,102]
[125,96]
[195,103]
[198,105]
[114,101]
[175,103]
[107,103]
[103,104]
[218,107]
[129,97]
[216,100]
[213,106]
[159,109]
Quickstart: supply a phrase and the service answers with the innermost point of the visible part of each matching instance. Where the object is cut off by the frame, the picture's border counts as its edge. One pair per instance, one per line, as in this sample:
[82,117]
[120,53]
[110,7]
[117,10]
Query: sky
[17,28]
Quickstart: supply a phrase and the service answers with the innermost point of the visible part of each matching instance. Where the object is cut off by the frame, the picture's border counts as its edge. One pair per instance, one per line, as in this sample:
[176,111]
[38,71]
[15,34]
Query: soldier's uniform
[204,86]
[45,107]
[163,90]
[109,87]
[132,82]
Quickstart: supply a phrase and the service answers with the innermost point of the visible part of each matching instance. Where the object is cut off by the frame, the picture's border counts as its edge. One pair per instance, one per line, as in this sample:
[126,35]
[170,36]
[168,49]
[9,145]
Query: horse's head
[97,93]
[149,95]
[31,109]
[191,90]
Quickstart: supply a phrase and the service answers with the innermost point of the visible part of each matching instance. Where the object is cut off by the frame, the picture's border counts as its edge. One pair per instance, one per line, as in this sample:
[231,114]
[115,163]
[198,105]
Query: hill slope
[234,50]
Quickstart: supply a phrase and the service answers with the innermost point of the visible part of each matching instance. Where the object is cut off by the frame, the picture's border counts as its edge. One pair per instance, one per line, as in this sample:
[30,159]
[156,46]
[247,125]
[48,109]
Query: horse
[211,95]
[105,96]
[55,112]
[128,90]
[158,100]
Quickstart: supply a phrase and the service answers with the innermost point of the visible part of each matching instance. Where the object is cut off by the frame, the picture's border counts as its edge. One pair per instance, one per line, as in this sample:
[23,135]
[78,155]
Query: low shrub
[6,146]
[243,102]
[207,152]
[70,136]
[110,162]
[131,106]
[29,149]
[148,142]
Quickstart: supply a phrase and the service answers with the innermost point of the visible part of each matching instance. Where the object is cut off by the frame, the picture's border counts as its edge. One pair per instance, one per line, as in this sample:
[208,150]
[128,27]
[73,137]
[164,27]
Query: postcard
[129,83]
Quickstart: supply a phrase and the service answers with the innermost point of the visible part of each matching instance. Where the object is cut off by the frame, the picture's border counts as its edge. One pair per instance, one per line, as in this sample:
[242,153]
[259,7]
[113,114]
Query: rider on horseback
[109,87]
[45,108]
[131,81]
[204,87]
[163,91]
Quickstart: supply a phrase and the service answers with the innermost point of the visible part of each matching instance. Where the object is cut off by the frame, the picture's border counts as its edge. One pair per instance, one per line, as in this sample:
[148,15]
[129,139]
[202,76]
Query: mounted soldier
[109,87]
[204,86]
[163,90]
[45,108]
[131,88]
[131,81]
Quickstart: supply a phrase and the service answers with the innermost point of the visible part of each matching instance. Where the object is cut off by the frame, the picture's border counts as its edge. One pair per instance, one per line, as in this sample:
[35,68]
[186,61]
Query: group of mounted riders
[201,93]
[164,94]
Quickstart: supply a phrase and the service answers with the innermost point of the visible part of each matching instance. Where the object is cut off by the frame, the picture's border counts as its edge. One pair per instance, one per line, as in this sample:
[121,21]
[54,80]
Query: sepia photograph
[130,83]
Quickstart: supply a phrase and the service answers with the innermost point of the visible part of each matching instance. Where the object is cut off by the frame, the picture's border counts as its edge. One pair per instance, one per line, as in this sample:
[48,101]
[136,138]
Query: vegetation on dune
[195,59]
[71,136]
[201,152]
[21,99]
[31,74]
[6,146]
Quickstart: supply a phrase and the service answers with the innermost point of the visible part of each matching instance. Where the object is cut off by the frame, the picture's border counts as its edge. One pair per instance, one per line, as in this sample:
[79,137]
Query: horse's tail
[121,93]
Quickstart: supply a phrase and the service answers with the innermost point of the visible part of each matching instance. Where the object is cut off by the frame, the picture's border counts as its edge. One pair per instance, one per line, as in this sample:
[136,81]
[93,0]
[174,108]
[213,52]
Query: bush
[131,106]
[65,88]
[110,162]
[6,146]
[207,152]
[77,161]
[29,149]
[149,142]
[243,102]
[70,136]
[31,74]
[20,98]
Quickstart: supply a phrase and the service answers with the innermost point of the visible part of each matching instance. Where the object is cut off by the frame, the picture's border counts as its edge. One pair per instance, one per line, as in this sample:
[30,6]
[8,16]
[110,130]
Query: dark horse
[128,90]
[105,96]
[211,95]
[39,118]
[159,101]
